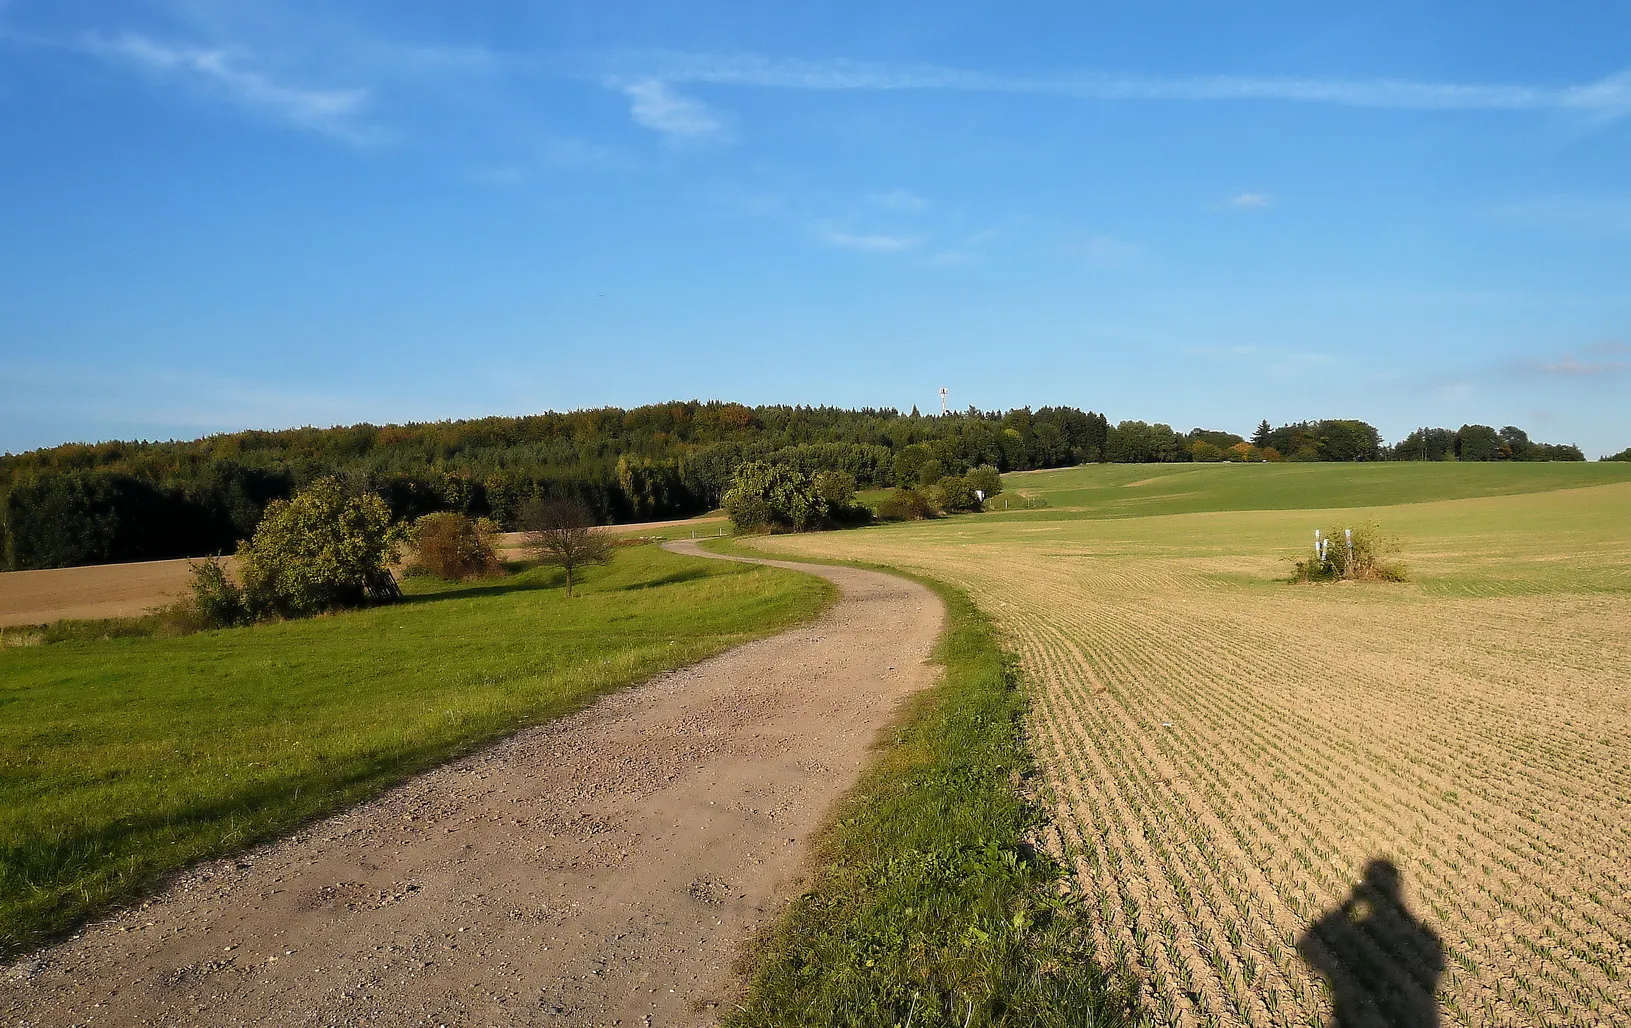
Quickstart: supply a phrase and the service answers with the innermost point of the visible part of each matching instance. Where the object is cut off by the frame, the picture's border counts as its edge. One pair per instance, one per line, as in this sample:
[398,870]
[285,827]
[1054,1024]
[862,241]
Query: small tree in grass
[320,551]
[561,533]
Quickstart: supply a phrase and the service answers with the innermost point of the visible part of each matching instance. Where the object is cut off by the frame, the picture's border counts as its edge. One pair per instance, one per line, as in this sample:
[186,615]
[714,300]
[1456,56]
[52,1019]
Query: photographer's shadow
[1381,963]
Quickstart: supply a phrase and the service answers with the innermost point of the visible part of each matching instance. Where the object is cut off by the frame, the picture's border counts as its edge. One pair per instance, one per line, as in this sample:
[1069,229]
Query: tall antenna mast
[943,393]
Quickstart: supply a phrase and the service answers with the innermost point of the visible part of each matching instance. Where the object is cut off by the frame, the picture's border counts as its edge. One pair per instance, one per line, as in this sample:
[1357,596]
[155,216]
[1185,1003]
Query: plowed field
[1390,803]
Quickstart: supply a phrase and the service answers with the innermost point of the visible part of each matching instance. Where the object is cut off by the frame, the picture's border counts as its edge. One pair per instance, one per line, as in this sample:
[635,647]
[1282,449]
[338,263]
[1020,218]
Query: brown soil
[1224,757]
[89,593]
[603,869]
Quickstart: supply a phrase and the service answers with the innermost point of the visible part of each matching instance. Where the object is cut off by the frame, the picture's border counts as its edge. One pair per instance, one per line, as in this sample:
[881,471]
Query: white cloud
[330,111]
[872,243]
[680,118]
[1249,201]
[900,200]
[1610,96]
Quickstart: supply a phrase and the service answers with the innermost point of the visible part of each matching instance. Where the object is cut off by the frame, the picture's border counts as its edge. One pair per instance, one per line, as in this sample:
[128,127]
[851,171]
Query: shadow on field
[672,578]
[1381,963]
[502,587]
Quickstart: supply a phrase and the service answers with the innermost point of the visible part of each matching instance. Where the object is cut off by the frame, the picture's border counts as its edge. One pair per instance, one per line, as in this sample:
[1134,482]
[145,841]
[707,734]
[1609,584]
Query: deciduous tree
[561,533]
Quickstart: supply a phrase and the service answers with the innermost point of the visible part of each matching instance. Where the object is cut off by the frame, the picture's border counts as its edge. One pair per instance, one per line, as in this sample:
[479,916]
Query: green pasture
[1562,540]
[124,759]
[1140,490]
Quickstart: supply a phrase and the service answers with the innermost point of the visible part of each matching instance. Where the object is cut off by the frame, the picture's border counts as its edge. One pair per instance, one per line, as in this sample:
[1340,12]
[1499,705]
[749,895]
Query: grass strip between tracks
[928,907]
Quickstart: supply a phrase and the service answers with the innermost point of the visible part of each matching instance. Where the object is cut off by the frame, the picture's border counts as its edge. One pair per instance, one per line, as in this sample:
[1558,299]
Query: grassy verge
[928,907]
[124,759]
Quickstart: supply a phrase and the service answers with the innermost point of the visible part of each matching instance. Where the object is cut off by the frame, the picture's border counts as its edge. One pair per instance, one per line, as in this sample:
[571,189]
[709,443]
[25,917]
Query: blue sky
[239,214]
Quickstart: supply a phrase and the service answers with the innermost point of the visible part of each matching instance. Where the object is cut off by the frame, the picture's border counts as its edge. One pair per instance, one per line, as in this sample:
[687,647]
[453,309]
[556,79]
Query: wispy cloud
[1605,358]
[871,243]
[654,104]
[1610,96]
[967,250]
[1250,201]
[899,200]
[333,112]
[1107,251]
[1570,365]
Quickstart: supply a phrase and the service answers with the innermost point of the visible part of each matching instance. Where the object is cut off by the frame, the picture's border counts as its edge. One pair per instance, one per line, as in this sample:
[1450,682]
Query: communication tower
[943,393]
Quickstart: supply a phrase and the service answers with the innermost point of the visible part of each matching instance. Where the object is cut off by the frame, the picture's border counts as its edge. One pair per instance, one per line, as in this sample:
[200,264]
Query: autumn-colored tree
[455,547]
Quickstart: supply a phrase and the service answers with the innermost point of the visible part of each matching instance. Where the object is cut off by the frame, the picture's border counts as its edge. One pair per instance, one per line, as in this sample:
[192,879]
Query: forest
[126,501]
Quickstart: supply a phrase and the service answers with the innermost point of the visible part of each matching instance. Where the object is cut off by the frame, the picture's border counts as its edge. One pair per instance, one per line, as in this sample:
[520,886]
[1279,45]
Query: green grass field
[122,760]
[1141,490]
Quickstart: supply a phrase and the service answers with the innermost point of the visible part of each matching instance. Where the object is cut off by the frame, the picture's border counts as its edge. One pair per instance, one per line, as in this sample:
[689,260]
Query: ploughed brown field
[1403,804]
[89,593]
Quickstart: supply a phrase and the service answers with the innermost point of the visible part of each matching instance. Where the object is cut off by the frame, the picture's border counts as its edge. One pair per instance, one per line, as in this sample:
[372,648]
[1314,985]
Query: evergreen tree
[1260,438]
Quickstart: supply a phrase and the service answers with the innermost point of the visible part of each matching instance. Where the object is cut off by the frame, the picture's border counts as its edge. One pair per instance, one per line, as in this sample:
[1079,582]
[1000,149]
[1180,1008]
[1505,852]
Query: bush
[905,505]
[320,551]
[986,480]
[953,495]
[455,547]
[1204,452]
[217,601]
[837,490]
[774,498]
[1364,560]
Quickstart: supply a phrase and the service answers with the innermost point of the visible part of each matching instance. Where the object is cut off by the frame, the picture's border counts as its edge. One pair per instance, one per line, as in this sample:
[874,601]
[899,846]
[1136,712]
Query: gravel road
[603,869]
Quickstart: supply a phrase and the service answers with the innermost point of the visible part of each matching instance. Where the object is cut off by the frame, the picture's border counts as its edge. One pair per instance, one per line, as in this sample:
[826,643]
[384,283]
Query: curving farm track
[602,869]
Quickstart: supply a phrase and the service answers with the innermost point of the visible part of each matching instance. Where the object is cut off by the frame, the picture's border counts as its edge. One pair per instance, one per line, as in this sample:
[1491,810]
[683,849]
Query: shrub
[320,551]
[217,601]
[837,490]
[1363,559]
[986,480]
[905,505]
[455,547]
[952,495]
[774,498]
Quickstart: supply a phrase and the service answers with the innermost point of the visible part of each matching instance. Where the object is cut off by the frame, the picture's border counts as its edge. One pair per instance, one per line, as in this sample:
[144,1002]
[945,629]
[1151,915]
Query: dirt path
[603,869]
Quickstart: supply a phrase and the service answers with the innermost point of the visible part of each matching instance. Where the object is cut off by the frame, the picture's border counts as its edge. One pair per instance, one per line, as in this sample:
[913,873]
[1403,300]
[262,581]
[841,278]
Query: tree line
[127,501]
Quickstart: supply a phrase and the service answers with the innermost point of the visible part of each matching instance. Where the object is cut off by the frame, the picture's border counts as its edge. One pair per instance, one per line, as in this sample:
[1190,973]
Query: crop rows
[1222,764]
